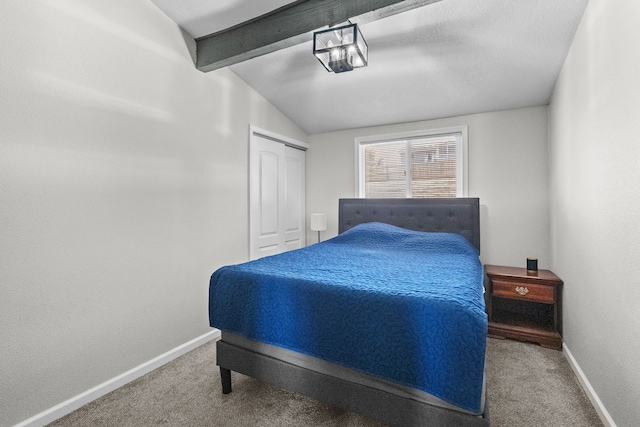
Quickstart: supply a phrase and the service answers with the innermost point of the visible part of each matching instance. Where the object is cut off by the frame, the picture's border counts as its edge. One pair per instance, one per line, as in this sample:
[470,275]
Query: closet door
[294,198]
[276,193]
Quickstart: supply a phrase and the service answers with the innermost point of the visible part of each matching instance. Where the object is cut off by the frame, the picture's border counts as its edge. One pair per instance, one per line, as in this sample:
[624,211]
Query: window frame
[462,156]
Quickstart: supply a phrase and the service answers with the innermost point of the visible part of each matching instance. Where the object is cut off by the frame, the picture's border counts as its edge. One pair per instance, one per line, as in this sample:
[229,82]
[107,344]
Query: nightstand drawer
[523,291]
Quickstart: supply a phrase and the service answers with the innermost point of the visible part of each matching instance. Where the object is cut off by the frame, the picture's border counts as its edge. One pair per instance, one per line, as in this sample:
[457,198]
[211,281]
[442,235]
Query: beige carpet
[528,386]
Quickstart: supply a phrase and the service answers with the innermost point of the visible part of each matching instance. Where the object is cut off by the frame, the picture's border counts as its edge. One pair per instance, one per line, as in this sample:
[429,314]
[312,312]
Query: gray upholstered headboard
[459,215]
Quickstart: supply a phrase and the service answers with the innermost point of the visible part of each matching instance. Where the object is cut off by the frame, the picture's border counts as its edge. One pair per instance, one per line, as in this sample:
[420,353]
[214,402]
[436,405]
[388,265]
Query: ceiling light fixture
[341,49]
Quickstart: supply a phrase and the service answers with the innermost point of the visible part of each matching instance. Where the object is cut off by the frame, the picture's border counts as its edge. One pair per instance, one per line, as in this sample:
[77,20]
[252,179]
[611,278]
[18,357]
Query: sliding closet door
[294,198]
[266,194]
[277,194]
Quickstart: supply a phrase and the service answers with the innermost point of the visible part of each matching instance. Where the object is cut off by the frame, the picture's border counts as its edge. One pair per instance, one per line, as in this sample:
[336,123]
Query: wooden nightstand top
[544,277]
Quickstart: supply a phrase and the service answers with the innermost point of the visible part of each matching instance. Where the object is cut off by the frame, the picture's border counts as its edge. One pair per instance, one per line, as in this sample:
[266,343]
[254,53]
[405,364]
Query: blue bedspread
[400,305]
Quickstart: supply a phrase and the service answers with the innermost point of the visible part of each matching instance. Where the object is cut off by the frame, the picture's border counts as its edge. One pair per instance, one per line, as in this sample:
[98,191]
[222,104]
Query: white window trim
[462,154]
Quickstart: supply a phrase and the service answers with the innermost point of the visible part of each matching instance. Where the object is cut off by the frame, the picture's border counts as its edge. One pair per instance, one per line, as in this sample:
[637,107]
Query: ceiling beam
[289,25]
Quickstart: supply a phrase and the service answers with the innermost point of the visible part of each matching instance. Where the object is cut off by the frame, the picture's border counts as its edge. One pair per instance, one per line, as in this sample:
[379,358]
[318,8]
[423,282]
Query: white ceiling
[450,58]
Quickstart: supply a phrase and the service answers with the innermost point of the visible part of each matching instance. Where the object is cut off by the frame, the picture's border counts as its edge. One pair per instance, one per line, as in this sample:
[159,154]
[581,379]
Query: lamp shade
[341,49]
[318,222]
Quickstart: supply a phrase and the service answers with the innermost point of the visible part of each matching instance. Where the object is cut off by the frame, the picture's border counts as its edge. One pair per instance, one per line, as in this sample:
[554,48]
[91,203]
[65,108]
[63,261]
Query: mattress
[402,306]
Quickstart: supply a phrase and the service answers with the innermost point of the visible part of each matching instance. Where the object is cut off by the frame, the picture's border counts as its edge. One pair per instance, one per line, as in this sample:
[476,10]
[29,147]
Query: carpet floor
[528,386]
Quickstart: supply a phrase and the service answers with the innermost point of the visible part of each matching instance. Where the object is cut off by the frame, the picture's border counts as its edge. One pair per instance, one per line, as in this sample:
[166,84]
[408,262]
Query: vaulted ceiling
[444,59]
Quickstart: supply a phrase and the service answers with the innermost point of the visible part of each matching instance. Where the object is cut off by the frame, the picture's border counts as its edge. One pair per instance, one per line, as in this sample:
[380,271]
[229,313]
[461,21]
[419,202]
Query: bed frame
[459,216]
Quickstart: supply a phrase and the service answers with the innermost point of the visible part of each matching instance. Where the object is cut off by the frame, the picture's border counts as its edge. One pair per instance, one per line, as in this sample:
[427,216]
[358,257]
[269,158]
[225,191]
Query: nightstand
[524,306]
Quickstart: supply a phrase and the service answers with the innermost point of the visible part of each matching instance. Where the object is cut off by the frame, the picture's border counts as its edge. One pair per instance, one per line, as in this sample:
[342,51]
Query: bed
[386,319]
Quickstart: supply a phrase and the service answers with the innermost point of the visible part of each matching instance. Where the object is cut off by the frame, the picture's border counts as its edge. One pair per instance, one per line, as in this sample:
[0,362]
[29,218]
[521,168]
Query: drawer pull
[522,290]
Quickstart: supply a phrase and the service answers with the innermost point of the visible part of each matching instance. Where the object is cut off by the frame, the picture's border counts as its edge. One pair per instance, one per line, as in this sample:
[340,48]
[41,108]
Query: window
[420,164]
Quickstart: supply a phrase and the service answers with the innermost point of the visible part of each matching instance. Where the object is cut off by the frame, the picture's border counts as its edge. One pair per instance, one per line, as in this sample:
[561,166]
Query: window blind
[419,168]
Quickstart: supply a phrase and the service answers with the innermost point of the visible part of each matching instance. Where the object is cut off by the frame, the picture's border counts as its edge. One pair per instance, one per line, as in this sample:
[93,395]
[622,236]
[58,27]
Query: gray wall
[507,171]
[595,202]
[123,185]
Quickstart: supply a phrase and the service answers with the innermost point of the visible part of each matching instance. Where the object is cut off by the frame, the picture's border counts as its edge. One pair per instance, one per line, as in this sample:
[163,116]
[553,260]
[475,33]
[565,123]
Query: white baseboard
[70,405]
[591,393]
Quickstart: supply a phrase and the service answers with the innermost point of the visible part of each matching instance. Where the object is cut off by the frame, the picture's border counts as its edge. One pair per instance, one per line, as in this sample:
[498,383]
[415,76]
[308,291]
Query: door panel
[269,198]
[266,196]
[294,198]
